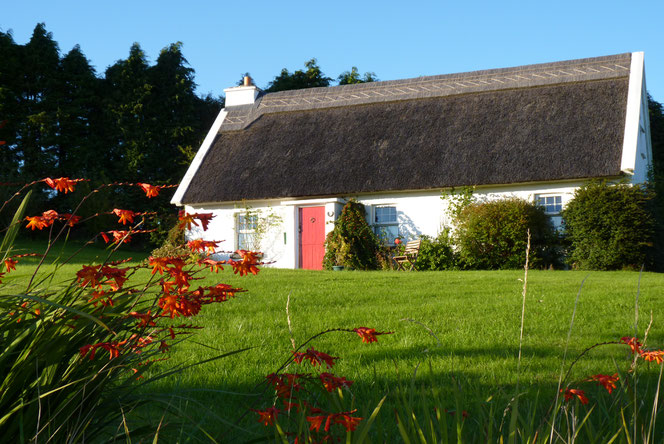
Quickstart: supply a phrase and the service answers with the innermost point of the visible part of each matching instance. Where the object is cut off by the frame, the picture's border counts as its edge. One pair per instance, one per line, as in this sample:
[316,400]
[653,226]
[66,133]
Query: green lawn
[462,325]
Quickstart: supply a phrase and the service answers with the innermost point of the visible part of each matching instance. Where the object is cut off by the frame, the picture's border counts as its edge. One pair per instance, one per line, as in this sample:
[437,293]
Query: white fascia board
[313,201]
[198,159]
[633,117]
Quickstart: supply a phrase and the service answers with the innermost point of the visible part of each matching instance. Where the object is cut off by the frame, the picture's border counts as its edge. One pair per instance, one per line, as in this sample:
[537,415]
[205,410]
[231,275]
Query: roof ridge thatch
[526,76]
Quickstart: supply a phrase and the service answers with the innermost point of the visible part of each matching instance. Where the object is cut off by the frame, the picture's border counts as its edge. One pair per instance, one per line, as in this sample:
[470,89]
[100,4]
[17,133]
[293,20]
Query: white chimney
[242,95]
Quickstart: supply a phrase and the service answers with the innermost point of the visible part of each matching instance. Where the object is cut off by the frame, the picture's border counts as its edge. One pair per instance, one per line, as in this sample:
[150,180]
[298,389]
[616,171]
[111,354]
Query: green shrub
[437,253]
[352,243]
[609,226]
[493,235]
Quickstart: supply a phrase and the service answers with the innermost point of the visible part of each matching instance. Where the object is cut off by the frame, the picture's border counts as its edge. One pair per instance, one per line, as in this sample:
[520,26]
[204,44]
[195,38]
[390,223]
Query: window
[385,224]
[551,204]
[246,231]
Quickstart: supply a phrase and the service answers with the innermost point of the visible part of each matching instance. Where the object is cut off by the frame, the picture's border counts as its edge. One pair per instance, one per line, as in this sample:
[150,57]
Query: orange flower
[314,357]
[71,220]
[221,292]
[37,222]
[606,381]
[118,236]
[126,216]
[214,265]
[248,264]
[186,220]
[113,349]
[653,355]
[62,183]
[159,264]
[368,335]
[331,382]
[633,343]
[10,264]
[150,190]
[102,296]
[348,422]
[571,393]
[268,416]
[89,274]
[317,421]
[201,245]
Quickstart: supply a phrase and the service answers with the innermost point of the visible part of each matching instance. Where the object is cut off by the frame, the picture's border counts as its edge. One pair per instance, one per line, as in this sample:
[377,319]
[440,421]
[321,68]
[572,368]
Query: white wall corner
[633,115]
[198,158]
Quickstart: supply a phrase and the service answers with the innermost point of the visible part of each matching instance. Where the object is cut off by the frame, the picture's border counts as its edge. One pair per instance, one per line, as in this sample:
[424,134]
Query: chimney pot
[248,81]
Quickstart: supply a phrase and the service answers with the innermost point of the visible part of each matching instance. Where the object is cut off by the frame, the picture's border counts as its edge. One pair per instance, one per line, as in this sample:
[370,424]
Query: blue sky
[395,40]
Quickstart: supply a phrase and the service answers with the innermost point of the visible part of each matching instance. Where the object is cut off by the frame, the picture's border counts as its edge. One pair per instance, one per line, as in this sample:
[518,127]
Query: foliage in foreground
[609,226]
[56,331]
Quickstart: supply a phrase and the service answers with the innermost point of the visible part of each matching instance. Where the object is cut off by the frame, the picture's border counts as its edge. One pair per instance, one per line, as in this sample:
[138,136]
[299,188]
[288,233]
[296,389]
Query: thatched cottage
[537,131]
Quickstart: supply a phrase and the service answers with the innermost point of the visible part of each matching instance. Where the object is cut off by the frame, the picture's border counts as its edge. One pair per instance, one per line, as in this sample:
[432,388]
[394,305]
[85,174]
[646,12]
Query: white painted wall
[419,212]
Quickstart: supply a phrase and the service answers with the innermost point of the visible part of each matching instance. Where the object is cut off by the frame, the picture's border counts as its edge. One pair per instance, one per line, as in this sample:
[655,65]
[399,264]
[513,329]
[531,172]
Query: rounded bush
[609,226]
[494,234]
[352,243]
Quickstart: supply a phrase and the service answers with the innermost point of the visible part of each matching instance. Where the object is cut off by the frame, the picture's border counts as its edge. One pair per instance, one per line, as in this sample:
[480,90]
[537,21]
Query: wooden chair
[409,256]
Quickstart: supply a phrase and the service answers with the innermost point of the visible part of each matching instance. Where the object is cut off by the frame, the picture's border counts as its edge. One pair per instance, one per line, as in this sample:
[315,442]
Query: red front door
[312,237]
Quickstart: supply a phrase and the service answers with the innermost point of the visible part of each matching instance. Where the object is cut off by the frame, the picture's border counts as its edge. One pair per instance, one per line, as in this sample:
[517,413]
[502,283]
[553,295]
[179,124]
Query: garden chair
[409,256]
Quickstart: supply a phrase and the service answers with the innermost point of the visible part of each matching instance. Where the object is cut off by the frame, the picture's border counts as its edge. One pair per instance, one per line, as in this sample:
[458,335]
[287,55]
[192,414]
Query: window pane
[551,204]
[386,215]
[245,241]
[387,233]
[245,223]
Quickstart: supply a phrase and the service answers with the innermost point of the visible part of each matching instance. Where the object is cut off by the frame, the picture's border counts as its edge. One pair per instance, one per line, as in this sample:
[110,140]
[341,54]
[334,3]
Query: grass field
[450,324]
[461,325]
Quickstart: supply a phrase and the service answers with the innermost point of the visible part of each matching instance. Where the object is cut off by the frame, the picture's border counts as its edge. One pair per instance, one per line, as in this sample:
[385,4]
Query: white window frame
[539,197]
[246,230]
[376,226]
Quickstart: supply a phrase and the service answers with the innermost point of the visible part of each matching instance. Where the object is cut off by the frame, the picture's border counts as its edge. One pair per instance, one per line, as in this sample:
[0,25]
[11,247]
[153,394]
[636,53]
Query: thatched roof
[528,124]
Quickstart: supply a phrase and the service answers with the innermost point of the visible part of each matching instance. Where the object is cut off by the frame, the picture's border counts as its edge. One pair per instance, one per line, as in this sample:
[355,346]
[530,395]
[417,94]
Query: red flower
[397,241]
[205,219]
[571,393]
[150,190]
[126,216]
[314,357]
[268,416]
[653,355]
[331,382]
[633,343]
[606,381]
[368,335]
